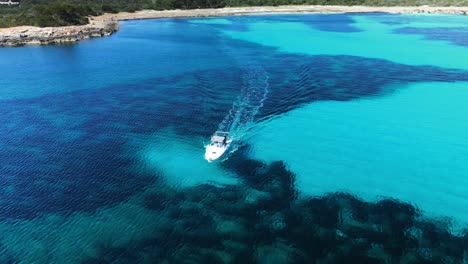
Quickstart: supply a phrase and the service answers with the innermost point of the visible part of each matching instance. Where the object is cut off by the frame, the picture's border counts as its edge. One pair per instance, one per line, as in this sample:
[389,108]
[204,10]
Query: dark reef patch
[342,78]
[267,223]
[69,152]
[330,22]
[66,152]
[63,152]
[323,22]
[457,36]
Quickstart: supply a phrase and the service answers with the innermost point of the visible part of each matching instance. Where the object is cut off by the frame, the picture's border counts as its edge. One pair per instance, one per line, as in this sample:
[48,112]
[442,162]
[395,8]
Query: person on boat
[225,141]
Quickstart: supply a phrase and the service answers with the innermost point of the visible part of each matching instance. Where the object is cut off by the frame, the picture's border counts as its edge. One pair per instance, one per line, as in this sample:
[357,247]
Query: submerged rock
[230,227]
[265,222]
[255,197]
[280,252]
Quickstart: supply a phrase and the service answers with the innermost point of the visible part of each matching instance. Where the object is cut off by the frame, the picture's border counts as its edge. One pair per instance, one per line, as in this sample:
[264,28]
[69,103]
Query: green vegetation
[63,14]
[75,12]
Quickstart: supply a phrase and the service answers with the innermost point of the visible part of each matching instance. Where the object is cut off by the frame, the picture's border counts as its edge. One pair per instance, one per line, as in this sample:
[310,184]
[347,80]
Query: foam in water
[253,92]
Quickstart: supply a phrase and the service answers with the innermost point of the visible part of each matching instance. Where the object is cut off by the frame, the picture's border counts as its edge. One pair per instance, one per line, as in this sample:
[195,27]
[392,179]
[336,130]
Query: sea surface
[350,142]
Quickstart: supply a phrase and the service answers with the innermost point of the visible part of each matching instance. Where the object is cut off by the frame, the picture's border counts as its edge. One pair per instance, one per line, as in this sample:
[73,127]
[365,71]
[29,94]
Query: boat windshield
[217,139]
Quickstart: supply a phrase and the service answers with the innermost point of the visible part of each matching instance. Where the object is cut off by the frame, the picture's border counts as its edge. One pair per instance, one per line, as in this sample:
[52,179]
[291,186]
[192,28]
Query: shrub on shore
[61,14]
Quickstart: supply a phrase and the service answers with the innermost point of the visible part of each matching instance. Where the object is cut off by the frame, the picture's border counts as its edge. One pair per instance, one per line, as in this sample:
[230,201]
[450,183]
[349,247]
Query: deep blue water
[350,142]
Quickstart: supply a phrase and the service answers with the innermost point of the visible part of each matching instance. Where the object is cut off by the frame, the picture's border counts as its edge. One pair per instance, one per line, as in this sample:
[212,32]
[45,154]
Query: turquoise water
[350,142]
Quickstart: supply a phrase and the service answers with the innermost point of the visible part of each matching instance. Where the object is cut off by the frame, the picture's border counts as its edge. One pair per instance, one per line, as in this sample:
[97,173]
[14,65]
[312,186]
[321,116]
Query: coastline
[29,35]
[107,24]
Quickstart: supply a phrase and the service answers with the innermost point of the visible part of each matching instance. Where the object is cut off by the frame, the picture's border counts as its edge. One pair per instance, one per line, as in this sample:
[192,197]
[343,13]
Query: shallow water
[350,142]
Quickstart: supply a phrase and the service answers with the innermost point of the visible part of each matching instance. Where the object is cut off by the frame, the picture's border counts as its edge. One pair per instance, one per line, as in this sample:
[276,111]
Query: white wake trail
[253,92]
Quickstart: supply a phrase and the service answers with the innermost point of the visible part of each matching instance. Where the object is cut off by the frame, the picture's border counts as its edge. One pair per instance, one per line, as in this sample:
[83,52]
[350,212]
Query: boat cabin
[219,138]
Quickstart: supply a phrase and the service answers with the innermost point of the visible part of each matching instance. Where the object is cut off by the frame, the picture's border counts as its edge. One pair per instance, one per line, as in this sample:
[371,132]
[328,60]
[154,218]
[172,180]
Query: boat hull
[215,151]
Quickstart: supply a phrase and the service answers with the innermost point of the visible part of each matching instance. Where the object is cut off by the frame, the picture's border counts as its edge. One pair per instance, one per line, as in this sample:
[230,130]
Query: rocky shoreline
[107,24]
[27,35]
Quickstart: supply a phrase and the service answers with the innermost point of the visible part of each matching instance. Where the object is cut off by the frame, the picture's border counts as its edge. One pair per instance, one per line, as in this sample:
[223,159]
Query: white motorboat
[218,146]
